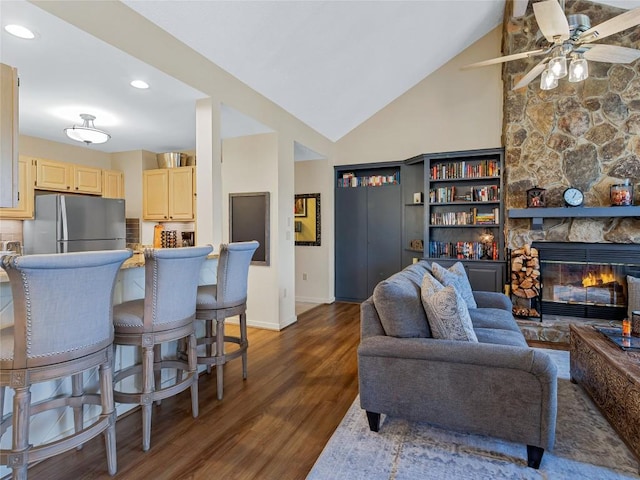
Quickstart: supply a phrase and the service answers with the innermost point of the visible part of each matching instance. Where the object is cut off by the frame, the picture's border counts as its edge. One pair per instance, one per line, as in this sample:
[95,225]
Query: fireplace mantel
[537,215]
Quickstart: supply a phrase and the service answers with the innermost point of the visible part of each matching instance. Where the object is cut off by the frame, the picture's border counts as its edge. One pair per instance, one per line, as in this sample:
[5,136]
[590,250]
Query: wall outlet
[304,276]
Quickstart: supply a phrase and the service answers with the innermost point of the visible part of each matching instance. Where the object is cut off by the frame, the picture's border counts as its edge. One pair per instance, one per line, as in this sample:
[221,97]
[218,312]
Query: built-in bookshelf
[443,207]
[464,213]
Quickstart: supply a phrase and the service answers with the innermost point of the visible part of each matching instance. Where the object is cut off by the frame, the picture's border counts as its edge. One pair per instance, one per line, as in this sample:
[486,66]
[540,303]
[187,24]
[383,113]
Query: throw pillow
[448,315]
[455,276]
[429,285]
[633,295]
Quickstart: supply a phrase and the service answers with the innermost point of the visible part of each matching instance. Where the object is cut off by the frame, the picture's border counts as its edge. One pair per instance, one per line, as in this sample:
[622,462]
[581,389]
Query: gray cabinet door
[384,230]
[351,244]
[487,277]
[368,239]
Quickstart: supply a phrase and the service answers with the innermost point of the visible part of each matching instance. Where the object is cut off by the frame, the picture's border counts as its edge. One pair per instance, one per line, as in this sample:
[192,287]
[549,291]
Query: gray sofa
[498,387]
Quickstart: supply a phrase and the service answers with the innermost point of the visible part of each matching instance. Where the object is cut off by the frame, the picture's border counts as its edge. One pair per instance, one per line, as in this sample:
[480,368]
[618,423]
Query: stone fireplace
[586,279]
[584,135]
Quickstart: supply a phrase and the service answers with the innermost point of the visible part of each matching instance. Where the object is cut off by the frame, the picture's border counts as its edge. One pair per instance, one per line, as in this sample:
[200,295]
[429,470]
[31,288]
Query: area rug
[587,447]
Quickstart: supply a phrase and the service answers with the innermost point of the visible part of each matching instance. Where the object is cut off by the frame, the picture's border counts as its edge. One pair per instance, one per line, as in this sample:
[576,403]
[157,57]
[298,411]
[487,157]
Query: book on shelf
[488,193]
[463,169]
[463,250]
[351,180]
[456,250]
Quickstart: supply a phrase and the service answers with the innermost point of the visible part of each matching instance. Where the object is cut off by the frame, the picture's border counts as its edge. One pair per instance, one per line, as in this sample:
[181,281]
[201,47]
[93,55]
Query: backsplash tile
[11,230]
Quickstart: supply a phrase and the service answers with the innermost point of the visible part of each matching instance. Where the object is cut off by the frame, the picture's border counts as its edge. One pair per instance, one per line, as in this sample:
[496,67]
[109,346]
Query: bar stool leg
[208,335]
[147,396]
[108,409]
[243,343]
[77,390]
[193,372]
[157,372]
[20,441]
[220,355]
[2,404]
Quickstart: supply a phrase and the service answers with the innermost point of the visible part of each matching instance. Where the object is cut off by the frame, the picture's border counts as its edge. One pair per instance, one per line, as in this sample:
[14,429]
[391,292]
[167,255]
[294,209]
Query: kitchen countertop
[136,261]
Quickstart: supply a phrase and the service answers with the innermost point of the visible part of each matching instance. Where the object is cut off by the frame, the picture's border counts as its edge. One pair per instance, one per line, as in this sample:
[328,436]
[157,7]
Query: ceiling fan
[573,35]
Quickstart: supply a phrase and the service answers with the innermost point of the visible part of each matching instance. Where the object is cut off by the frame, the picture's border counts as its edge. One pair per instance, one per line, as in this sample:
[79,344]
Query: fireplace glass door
[586,279]
[585,284]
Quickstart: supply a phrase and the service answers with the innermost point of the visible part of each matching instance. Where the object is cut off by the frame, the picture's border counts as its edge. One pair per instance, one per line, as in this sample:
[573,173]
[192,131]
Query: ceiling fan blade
[519,8]
[506,58]
[611,54]
[551,20]
[533,73]
[613,25]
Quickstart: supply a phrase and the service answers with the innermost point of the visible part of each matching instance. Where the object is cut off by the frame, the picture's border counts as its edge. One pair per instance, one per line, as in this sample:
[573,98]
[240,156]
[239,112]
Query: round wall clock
[573,197]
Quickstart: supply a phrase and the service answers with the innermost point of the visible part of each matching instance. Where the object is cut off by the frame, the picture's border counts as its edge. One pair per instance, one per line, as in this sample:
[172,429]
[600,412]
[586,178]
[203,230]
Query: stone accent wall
[585,135]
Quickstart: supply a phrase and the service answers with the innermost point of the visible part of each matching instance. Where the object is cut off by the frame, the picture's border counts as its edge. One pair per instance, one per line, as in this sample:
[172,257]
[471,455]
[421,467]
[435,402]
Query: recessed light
[139,84]
[20,32]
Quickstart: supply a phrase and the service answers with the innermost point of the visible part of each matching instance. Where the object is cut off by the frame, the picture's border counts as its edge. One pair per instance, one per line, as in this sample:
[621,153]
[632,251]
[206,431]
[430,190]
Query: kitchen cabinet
[24,209]
[112,184]
[68,177]
[8,136]
[168,194]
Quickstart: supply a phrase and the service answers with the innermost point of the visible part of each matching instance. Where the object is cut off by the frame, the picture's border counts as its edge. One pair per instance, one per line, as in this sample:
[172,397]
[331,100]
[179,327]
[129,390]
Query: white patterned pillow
[633,295]
[448,314]
[430,285]
[455,276]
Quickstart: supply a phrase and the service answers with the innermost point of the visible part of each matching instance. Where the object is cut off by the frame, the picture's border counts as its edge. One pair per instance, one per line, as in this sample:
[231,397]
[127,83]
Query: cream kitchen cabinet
[112,184]
[68,177]
[168,194]
[24,209]
[8,135]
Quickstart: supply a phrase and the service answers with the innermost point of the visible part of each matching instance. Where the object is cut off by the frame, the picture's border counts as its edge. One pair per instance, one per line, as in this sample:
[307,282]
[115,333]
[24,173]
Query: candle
[626,327]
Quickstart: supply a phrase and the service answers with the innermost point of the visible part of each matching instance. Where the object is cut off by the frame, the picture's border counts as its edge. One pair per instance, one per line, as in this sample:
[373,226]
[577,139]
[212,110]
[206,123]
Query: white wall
[62,152]
[209,199]
[450,110]
[250,164]
[315,176]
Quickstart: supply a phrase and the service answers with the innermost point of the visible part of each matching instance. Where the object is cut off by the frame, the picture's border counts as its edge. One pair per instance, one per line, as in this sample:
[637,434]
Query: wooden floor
[273,425]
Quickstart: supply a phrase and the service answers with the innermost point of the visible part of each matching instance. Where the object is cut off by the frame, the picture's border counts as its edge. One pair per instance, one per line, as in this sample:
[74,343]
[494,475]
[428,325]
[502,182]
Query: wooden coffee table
[611,376]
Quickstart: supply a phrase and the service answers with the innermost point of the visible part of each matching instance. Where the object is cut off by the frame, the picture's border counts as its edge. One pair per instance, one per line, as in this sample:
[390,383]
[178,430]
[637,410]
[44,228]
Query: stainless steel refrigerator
[75,223]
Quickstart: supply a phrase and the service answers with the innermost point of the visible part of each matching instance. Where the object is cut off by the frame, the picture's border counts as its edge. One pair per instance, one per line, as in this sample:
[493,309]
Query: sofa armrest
[493,300]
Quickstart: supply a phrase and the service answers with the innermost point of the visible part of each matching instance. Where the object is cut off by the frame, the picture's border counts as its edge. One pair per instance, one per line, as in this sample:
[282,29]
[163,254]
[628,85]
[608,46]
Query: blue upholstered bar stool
[165,314]
[62,327]
[227,298]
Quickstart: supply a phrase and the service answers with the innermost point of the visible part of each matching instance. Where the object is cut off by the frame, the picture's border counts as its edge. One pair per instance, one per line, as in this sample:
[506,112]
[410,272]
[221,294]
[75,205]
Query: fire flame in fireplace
[592,279]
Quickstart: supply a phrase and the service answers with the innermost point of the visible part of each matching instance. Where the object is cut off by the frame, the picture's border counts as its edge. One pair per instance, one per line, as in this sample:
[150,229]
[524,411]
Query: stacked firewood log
[525,272]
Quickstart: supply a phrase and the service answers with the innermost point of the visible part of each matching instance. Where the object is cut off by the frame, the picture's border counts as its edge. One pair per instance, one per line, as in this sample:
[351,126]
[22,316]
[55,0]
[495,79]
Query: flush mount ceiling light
[20,32]
[87,133]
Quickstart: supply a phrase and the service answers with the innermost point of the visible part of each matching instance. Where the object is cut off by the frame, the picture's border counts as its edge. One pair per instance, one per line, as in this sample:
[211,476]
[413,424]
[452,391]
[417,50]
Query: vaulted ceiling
[332,64]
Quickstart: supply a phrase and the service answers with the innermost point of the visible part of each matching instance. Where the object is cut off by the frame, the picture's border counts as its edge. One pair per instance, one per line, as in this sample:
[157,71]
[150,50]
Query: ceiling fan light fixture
[558,64]
[548,81]
[578,69]
[87,132]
